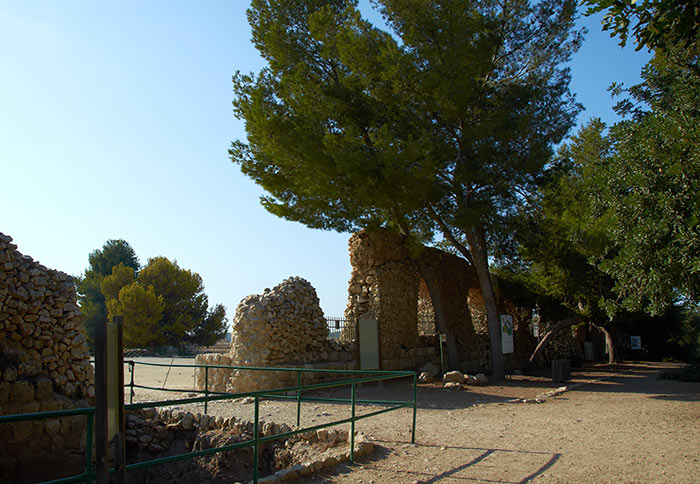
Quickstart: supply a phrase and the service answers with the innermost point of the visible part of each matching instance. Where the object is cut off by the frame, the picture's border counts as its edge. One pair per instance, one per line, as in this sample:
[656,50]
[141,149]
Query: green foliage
[649,189]
[442,123]
[558,237]
[142,310]
[657,23]
[90,298]
[165,305]
[161,304]
[111,285]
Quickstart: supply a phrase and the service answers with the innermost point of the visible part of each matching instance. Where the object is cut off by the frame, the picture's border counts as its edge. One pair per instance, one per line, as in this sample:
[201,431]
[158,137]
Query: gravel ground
[620,425]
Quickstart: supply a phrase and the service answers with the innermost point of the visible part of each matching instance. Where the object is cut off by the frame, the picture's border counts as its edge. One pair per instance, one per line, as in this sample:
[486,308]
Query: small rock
[453,376]
[425,377]
[453,385]
[187,421]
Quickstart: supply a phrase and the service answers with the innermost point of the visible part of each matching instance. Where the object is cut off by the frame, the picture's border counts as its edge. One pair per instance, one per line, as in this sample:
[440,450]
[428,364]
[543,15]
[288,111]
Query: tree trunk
[549,336]
[476,239]
[436,299]
[609,344]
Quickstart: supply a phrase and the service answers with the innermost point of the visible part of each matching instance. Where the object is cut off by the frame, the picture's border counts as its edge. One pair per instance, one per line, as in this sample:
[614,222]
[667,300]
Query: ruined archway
[386,285]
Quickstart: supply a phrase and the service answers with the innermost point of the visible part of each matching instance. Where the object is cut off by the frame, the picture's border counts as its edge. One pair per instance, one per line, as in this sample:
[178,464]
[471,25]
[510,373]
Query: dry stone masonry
[386,285]
[44,361]
[283,327]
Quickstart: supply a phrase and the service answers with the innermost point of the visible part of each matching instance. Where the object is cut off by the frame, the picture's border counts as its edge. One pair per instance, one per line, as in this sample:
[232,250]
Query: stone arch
[386,284]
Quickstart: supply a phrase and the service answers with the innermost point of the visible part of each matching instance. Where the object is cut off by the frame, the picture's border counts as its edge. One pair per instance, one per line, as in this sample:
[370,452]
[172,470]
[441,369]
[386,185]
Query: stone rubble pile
[456,379]
[153,432]
[283,327]
[153,429]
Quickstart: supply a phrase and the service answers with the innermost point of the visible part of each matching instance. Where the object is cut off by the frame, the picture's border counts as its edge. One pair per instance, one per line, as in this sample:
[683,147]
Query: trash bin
[561,370]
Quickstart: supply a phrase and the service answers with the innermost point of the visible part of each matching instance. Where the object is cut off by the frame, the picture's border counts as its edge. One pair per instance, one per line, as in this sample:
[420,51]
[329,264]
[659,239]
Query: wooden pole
[101,444]
[120,438]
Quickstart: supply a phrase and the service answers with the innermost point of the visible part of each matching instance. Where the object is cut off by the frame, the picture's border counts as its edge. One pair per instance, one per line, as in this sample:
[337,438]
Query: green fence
[209,396]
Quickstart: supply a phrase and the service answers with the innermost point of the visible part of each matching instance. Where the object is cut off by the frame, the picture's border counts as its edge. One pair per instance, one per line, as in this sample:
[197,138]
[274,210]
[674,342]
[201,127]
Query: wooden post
[120,437]
[101,444]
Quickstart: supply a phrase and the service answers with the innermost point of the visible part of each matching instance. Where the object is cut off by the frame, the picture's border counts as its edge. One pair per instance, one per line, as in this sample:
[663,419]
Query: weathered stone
[22,392]
[425,377]
[43,389]
[452,385]
[187,421]
[453,376]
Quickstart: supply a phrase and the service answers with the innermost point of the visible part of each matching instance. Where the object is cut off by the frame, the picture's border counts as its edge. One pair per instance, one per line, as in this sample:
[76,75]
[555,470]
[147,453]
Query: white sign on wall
[506,333]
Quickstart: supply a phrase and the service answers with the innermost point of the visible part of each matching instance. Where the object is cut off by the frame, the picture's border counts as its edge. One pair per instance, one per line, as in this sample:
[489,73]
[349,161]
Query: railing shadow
[475,468]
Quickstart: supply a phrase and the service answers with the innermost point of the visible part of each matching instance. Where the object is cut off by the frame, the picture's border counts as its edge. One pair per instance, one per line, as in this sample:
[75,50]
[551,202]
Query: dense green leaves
[657,23]
[442,123]
[650,186]
[162,304]
[90,298]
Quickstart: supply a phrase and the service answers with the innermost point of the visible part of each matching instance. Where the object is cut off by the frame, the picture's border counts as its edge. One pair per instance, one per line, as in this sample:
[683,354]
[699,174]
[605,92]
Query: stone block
[31,407]
[43,389]
[53,426]
[58,443]
[4,392]
[21,430]
[22,392]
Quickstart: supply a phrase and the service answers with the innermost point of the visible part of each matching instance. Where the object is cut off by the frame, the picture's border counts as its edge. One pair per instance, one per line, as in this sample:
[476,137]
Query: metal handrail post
[257,440]
[298,397]
[88,450]
[352,425]
[206,387]
[132,367]
[415,404]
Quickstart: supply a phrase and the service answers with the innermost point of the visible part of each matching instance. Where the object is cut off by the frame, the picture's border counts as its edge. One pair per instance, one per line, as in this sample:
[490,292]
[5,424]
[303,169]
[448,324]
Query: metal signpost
[443,338]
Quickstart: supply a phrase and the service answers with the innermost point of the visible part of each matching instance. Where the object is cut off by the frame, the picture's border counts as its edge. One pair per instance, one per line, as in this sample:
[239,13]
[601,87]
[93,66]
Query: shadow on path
[453,464]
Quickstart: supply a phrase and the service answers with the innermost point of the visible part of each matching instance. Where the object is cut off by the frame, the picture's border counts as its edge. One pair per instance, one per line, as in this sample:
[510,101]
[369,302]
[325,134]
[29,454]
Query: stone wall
[386,285]
[283,327]
[44,361]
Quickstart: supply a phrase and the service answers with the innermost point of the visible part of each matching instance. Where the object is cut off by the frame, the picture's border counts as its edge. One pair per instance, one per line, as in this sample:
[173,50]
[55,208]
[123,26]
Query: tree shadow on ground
[625,378]
[451,464]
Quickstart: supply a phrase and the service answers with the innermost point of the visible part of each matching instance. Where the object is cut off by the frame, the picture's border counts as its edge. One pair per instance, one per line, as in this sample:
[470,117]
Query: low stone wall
[283,327]
[159,433]
[44,363]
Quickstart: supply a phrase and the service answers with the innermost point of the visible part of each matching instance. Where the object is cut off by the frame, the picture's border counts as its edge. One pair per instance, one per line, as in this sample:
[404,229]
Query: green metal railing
[279,393]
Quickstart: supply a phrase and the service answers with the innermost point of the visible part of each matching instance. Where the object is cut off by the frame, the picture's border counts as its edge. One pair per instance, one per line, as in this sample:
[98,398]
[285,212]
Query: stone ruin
[386,285]
[44,364]
[283,327]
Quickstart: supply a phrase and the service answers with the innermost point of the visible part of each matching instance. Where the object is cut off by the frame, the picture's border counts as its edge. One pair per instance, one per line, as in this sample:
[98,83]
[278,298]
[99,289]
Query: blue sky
[115,121]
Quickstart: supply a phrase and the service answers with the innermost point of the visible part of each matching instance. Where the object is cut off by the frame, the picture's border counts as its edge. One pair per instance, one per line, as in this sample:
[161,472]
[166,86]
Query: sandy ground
[619,425]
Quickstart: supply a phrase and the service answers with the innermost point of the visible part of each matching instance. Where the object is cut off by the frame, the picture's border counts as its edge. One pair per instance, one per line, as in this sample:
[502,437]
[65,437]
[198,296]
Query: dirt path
[629,428]
[621,426]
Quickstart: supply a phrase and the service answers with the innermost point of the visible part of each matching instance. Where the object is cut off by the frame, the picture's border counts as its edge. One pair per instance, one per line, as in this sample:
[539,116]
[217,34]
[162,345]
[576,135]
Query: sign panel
[506,334]
[368,339]
[113,383]
[443,338]
[636,342]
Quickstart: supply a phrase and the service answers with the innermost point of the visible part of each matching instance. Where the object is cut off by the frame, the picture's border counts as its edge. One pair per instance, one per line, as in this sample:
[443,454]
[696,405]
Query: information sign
[506,334]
